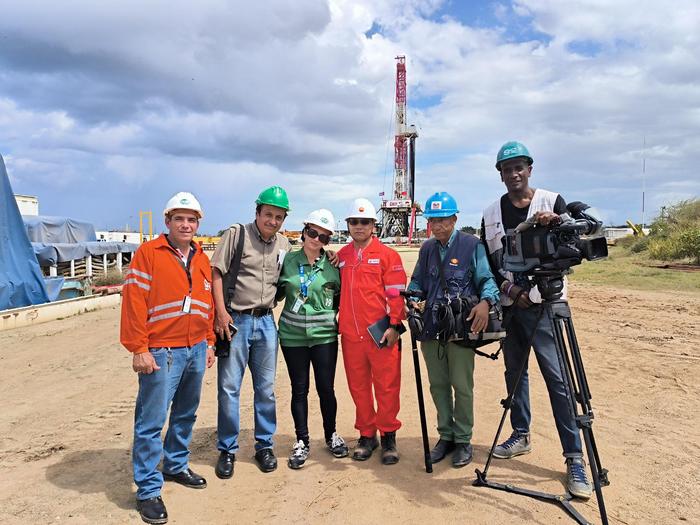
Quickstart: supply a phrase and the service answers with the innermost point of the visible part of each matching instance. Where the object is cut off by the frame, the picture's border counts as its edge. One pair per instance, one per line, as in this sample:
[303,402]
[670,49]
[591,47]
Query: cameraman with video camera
[523,319]
[453,275]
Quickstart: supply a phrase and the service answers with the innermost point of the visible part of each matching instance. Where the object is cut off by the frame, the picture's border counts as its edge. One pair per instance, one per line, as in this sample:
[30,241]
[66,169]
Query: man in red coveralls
[368,269]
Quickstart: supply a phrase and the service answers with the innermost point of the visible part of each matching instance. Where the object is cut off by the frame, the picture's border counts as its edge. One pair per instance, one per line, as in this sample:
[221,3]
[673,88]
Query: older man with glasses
[451,266]
[368,270]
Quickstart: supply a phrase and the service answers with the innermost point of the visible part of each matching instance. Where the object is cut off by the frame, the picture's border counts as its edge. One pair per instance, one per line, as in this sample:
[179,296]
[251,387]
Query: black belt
[255,312]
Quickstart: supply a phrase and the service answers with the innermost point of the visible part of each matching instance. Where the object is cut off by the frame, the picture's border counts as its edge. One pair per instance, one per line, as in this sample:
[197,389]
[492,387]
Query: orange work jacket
[154,291]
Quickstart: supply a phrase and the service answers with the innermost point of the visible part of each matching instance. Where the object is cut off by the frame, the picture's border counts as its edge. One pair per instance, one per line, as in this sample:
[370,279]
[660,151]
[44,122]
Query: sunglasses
[325,239]
[355,222]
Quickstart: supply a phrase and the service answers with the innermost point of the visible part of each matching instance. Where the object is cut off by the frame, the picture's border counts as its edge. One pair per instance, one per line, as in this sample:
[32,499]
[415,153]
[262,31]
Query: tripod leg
[575,379]
[421,405]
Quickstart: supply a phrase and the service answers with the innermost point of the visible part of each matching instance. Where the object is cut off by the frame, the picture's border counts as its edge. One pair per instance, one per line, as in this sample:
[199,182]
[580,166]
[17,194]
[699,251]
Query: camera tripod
[550,284]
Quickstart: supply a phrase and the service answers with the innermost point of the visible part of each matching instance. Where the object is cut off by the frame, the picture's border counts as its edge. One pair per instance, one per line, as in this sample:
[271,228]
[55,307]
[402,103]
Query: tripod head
[550,283]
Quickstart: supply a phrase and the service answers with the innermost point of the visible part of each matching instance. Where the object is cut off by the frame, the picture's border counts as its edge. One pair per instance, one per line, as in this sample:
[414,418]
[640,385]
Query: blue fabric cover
[50,230]
[21,280]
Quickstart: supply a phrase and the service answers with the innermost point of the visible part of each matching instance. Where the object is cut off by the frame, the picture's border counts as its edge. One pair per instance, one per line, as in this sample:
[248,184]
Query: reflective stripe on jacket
[366,275]
[154,291]
[314,322]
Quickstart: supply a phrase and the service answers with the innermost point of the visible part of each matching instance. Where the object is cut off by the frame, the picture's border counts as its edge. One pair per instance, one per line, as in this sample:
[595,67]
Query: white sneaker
[300,451]
[337,446]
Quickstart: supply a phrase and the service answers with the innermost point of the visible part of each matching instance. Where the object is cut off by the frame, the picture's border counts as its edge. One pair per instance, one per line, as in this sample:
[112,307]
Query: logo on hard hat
[184,201]
[436,205]
[324,220]
[361,208]
[511,150]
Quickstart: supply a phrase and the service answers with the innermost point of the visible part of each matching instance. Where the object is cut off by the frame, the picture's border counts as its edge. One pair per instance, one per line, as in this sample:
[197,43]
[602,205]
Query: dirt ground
[66,428]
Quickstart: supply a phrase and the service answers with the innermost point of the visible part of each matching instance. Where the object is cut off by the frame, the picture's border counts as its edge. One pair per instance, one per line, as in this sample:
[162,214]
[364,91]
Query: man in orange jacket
[368,269]
[167,323]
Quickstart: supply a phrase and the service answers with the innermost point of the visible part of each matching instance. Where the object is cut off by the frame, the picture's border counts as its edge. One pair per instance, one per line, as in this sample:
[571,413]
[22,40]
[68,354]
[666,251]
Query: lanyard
[305,283]
[184,266]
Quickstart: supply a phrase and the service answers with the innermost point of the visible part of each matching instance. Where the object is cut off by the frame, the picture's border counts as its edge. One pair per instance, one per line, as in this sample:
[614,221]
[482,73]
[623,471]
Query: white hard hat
[183,201]
[361,209]
[322,218]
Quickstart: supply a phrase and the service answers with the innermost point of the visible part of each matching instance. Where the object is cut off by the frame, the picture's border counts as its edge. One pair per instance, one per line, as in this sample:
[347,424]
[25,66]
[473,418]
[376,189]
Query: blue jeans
[177,385]
[514,352]
[254,345]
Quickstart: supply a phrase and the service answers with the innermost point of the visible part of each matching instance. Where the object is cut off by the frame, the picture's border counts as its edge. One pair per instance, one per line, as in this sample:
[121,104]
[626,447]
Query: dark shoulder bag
[460,309]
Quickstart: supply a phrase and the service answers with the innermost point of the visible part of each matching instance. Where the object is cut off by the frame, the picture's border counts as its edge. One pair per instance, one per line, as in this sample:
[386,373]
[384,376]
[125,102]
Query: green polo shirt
[315,320]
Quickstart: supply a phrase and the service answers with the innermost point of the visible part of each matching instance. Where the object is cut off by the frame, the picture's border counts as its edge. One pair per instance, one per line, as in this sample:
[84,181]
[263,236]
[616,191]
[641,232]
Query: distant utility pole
[644,180]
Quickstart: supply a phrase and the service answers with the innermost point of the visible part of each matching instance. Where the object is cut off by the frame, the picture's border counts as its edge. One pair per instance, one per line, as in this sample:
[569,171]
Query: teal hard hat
[441,204]
[512,150]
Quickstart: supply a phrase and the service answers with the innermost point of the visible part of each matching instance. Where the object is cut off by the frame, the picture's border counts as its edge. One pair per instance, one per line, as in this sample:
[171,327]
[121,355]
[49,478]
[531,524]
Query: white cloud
[228,97]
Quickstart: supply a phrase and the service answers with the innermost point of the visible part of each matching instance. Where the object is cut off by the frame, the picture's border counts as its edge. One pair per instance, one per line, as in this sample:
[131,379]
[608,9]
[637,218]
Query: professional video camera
[564,243]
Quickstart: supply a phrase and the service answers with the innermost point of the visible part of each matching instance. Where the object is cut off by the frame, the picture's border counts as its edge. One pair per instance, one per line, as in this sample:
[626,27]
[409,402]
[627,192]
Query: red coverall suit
[366,275]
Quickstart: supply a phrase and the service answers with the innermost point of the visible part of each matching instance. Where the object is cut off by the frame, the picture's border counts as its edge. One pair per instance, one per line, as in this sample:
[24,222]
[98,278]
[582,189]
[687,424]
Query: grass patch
[623,269]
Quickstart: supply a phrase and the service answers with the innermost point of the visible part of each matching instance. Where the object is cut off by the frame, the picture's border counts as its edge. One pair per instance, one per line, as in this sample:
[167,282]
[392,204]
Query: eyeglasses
[355,222]
[325,239]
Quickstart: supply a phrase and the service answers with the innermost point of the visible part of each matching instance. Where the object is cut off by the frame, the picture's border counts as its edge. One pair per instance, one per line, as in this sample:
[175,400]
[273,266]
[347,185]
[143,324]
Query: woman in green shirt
[308,332]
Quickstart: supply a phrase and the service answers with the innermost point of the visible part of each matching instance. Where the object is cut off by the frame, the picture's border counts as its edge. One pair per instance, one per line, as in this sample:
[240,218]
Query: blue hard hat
[441,204]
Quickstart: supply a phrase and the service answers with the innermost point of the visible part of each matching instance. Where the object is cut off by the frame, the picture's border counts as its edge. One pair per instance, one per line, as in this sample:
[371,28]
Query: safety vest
[494,233]
[310,306]
[163,306]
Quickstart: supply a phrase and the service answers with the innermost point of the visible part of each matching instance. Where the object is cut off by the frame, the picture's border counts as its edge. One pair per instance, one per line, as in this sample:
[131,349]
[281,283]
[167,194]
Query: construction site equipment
[207,242]
[396,210]
[148,216]
[293,235]
[637,230]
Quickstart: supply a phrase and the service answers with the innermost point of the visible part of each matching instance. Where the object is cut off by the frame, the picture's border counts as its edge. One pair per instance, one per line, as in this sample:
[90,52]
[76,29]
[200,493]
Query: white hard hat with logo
[183,201]
[362,209]
[322,218]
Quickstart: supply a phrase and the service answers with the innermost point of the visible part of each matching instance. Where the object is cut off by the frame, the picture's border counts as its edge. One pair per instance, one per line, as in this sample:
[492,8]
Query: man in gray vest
[452,265]
[521,303]
[245,317]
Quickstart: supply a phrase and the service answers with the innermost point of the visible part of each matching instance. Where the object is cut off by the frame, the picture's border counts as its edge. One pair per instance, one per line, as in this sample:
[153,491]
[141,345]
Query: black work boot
[152,510]
[365,447]
[390,456]
[441,449]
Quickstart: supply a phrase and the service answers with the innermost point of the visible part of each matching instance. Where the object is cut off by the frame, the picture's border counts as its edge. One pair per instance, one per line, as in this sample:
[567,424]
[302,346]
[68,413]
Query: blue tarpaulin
[47,229]
[21,280]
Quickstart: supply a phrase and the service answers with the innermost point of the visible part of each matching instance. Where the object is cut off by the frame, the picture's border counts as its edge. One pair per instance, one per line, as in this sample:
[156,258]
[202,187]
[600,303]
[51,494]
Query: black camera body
[558,246]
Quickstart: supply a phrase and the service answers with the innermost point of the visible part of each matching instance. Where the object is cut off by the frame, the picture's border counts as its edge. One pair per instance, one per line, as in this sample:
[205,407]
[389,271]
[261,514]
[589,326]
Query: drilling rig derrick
[399,207]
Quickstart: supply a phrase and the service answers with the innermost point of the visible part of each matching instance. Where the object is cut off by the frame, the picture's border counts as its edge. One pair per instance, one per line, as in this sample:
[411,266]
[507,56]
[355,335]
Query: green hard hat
[274,196]
[512,150]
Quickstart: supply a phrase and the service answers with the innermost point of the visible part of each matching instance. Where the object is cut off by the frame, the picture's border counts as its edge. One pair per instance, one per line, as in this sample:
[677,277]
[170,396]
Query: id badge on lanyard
[187,304]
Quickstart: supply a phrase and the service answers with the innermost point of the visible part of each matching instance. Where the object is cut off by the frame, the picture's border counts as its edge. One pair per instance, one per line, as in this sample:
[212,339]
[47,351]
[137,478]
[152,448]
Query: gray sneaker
[300,451]
[516,445]
[576,480]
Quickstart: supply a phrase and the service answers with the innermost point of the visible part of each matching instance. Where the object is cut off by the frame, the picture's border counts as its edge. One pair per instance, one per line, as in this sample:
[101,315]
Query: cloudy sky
[108,108]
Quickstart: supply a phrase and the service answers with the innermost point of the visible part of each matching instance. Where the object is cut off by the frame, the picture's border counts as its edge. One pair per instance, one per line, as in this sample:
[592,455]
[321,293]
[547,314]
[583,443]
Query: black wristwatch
[397,327]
